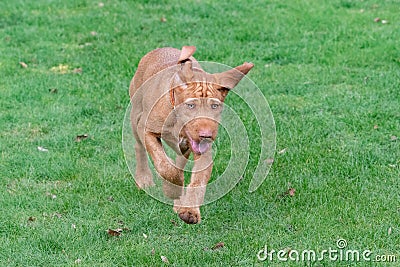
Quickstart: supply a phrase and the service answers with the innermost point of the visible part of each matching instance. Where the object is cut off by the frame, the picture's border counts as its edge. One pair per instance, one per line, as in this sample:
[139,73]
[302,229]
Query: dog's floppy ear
[229,79]
[185,74]
[186,53]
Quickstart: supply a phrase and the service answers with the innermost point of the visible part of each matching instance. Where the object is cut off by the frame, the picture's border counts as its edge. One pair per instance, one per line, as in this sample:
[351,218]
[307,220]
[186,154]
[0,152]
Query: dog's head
[198,98]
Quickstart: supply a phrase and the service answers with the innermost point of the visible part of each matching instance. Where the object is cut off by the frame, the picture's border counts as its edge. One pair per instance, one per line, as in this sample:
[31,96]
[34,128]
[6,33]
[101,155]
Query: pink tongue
[200,148]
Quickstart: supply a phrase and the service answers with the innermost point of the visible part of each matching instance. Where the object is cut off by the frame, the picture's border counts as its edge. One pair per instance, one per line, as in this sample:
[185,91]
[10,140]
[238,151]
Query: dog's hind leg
[143,175]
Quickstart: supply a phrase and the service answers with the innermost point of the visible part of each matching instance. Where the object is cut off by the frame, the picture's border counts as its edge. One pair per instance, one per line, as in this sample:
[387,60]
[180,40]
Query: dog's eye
[190,105]
[214,106]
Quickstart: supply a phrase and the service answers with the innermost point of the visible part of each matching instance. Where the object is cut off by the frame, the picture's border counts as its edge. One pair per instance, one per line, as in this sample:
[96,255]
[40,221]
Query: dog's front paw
[190,215]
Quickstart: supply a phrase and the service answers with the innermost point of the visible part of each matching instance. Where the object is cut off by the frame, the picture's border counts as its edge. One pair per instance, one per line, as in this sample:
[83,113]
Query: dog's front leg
[188,206]
[164,166]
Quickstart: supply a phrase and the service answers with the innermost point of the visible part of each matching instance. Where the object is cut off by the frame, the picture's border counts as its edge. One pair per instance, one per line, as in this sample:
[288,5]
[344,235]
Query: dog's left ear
[229,79]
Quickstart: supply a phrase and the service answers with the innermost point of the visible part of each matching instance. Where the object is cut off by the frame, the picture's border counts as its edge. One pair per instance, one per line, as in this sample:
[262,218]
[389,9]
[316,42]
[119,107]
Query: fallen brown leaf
[116,232]
[81,137]
[163,19]
[23,64]
[218,245]
[290,192]
[377,19]
[31,219]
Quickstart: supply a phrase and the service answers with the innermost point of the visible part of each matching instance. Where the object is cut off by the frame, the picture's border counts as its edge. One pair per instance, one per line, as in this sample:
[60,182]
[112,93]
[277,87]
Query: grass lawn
[330,73]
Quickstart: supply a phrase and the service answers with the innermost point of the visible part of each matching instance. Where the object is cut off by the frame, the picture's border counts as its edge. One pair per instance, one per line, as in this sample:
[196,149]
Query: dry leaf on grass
[81,137]
[283,151]
[50,195]
[116,232]
[23,64]
[164,259]
[31,219]
[290,192]
[42,149]
[218,246]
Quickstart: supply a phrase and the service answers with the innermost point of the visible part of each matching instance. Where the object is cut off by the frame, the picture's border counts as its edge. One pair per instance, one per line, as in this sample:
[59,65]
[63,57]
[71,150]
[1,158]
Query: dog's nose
[205,134]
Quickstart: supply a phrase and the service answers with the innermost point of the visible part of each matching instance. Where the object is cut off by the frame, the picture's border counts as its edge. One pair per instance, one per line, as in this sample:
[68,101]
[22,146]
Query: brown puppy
[174,99]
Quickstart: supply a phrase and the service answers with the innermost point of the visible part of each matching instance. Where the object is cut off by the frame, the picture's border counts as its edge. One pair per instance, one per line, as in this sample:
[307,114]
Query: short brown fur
[174,99]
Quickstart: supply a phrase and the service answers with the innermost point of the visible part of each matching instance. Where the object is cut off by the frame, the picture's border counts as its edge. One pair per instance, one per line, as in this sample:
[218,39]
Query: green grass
[331,76]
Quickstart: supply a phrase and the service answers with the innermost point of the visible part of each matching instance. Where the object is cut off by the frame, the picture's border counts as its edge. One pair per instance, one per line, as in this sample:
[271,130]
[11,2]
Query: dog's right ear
[185,74]
[186,53]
